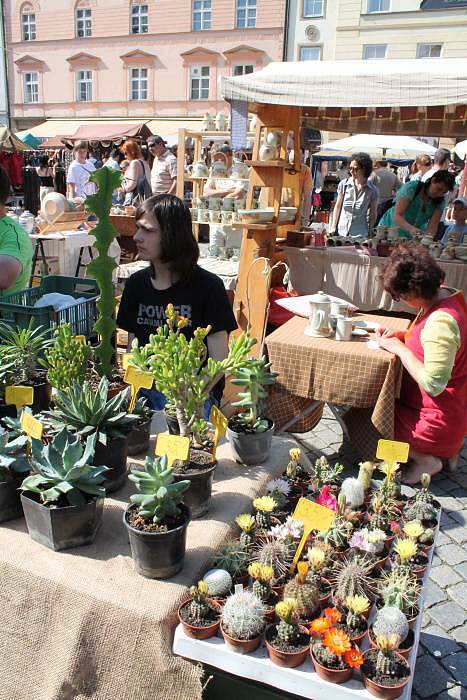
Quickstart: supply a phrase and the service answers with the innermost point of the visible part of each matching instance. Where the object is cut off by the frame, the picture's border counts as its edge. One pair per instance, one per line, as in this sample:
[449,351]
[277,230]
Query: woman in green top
[419,206]
[15,246]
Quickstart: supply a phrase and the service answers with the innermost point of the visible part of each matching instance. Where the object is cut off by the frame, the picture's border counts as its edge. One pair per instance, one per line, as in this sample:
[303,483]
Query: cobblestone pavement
[441,670]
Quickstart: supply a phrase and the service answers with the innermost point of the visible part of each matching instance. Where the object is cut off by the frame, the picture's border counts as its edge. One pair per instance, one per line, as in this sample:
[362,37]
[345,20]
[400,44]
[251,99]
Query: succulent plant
[353,491]
[67,360]
[420,510]
[357,606]
[288,630]
[247,524]
[304,592]
[389,621]
[381,513]
[424,494]
[199,606]
[390,487]
[254,375]
[386,659]
[399,588]
[324,473]
[288,532]
[12,459]
[262,575]
[352,577]
[278,489]
[274,553]
[341,529]
[219,582]
[316,558]
[63,470]
[234,558]
[294,471]
[20,351]
[264,507]
[365,474]
[160,496]
[243,615]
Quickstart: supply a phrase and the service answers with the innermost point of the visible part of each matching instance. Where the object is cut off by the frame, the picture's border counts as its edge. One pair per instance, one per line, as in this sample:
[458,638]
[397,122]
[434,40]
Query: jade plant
[159,496]
[67,360]
[253,376]
[102,267]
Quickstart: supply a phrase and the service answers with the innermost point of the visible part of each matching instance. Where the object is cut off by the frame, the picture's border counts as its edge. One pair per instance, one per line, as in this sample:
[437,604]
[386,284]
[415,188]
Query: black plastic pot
[7,410]
[198,495]
[172,424]
[113,455]
[158,554]
[10,502]
[63,527]
[42,397]
[250,448]
[138,438]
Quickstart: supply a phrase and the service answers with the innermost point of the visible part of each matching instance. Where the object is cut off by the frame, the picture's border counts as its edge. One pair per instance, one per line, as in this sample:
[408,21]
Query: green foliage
[325,473]
[63,469]
[20,350]
[12,459]
[67,360]
[233,558]
[254,376]
[107,180]
[160,497]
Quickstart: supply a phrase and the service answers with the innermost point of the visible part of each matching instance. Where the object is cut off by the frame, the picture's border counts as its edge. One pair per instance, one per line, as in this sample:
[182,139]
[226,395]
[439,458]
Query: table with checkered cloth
[340,373]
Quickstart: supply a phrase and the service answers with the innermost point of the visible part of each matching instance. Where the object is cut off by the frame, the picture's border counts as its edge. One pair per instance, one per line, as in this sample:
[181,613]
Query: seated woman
[431,413]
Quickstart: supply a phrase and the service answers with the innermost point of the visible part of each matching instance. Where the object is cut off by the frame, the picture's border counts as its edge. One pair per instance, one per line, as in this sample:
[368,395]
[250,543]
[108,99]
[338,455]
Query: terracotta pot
[402,651]
[359,638]
[324,600]
[329,674]
[197,632]
[382,691]
[286,659]
[278,590]
[412,620]
[241,646]
[243,580]
[381,563]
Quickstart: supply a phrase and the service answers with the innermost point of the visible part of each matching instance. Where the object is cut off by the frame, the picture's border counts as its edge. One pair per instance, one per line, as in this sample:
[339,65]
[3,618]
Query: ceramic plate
[360,332]
[366,325]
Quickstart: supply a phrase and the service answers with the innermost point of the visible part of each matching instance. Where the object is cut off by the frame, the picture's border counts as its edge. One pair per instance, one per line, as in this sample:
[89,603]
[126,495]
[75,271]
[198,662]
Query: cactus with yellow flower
[264,506]
[199,606]
[262,576]
[247,524]
[303,591]
[288,630]
[357,606]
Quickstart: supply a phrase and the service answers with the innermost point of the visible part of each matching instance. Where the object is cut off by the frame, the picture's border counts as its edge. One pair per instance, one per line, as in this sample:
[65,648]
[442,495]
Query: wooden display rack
[67,221]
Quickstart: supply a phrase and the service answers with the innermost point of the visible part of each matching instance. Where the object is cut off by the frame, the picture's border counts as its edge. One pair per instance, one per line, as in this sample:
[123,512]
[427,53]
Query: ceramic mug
[226,217]
[338,308]
[214,216]
[214,203]
[343,328]
[203,215]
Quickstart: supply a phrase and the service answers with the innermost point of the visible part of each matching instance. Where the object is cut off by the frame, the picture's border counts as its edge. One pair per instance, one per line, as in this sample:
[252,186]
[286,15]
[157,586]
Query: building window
[310,53]
[243,69]
[374,51]
[83,22]
[199,83]
[139,19]
[84,86]
[246,14]
[378,6]
[313,8]
[138,84]
[28,26]
[31,87]
[429,50]
[201,15]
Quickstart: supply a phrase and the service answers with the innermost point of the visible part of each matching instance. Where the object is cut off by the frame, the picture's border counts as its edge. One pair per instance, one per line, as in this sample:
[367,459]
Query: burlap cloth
[83,624]
[348,374]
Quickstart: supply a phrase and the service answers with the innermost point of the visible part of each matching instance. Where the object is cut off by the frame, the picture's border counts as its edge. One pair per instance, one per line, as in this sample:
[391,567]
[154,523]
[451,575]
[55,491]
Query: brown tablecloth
[83,624]
[340,373]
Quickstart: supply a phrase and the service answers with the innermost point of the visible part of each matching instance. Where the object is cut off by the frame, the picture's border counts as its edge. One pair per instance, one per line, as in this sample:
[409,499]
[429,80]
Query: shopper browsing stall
[357,200]
[164,167]
[79,172]
[135,187]
[15,246]
[455,232]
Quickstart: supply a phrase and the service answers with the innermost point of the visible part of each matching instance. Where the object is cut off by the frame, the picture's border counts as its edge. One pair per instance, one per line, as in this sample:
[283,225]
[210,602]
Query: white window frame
[28,25]
[367,49]
[241,69]
[200,82]
[84,77]
[316,8]
[429,45]
[30,87]
[245,14]
[201,15]
[317,47]
[138,88]
[140,13]
[381,3]
[83,22]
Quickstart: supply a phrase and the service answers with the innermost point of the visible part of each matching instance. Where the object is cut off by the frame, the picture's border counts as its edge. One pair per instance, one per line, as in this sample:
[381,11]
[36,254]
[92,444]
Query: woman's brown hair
[419,161]
[412,272]
[131,149]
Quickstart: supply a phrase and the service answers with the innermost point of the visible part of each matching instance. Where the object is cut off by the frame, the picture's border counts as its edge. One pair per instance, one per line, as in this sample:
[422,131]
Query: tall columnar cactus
[107,180]
[365,474]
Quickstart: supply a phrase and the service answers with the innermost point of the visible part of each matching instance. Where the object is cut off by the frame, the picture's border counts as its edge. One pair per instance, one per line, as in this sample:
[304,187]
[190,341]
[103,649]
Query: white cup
[344,328]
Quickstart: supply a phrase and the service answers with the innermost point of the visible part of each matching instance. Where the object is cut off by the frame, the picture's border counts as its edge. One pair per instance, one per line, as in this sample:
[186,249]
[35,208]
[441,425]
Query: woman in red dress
[431,413]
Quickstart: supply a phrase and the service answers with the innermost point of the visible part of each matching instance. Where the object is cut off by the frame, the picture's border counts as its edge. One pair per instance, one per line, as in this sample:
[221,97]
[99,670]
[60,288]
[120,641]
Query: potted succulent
[303,591]
[264,505]
[247,525]
[63,498]
[219,584]
[279,490]
[390,620]
[234,557]
[385,673]
[199,616]
[157,520]
[333,655]
[277,554]
[6,410]
[352,576]
[287,643]
[405,555]
[243,621]
[316,558]
[357,608]
[262,575]
[419,534]
[323,474]
[341,529]
[401,589]
[140,435]
[67,360]
[372,542]
[13,467]
[250,431]
[296,475]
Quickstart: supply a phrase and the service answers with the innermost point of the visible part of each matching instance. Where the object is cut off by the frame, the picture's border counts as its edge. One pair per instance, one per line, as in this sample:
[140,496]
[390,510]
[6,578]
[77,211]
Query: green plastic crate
[18,309]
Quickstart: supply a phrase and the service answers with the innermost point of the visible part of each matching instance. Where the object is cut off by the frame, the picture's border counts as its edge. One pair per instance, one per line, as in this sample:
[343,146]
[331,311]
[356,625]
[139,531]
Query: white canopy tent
[377,146]
[461,149]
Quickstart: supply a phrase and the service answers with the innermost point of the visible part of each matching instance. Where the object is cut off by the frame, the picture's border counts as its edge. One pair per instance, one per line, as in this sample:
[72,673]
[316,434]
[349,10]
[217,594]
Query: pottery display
[319,325]
[218,169]
[267,152]
[53,205]
[208,123]
[274,138]
[198,169]
[221,122]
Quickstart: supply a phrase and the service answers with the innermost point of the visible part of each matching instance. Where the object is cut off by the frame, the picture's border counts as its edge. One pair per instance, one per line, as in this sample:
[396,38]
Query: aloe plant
[12,459]
[63,470]
[160,497]
[20,351]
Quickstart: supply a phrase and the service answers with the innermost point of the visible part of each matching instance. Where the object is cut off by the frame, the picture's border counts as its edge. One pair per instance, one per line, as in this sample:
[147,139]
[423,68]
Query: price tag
[314,517]
[31,426]
[174,446]
[391,451]
[219,422]
[80,339]
[19,395]
[126,359]
[137,380]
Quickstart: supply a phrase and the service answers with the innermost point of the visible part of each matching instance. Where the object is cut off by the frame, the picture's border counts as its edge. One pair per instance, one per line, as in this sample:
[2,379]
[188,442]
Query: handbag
[142,190]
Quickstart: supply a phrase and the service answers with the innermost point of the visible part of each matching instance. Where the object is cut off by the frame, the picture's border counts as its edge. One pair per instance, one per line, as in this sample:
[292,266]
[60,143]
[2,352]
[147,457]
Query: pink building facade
[132,58]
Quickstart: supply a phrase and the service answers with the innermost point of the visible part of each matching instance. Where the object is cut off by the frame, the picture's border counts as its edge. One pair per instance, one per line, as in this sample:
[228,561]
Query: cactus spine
[287,629]
[353,491]
[199,607]
[243,615]
[391,621]
[385,657]
[365,474]
[262,575]
[303,591]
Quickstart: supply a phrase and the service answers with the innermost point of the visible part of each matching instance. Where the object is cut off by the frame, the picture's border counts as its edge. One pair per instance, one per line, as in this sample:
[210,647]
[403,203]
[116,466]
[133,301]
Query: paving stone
[460,478]
[456,666]
[444,575]
[461,569]
[460,635]
[458,534]
[459,516]
[432,594]
[448,615]
[457,692]
[459,594]
[437,642]
[452,553]
[430,678]
[443,538]
[436,561]
[448,485]
[447,522]
[451,504]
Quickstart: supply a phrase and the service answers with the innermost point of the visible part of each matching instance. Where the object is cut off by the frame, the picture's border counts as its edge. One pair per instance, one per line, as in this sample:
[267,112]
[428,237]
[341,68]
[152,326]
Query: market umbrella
[9,142]
[29,140]
[378,146]
[461,149]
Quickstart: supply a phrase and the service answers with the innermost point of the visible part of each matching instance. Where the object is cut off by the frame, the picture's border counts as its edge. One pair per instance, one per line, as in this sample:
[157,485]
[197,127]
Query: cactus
[324,473]
[264,507]
[233,558]
[341,529]
[243,615]
[262,575]
[423,494]
[303,591]
[356,605]
[288,630]
[352,577]
[386,660]
[247,524]
[390,487]
[420,510]
[275,553]
[427,537]
[353,491]
[400,589]
[365,474]
[199,606]
[219,582]
[390,620]
[278,489]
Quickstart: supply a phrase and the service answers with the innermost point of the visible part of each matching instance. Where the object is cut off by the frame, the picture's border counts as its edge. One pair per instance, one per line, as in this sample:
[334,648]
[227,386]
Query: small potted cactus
[275,553]
[280,490]
[13,468]
[341,529]
[63,498]
[243,621]
[303,591]
[219,584]
[324,473]
[401,589]
[333,655]
[264,506]
[247,525]
[391,620]
[372,542]
[357,608]
[296,475]
[354,493]
[287,642]
[385,673]
[405,555]
[262,575]
[415,531]
[352,576]
[381,515]
[234,558]
[365,475]
[157,520]
[316,558]
[199,616]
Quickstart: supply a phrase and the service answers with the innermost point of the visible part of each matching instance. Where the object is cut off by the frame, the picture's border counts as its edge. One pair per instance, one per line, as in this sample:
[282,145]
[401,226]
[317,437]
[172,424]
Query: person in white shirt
[112,162]
[441,161]
[164,167]
[79,171]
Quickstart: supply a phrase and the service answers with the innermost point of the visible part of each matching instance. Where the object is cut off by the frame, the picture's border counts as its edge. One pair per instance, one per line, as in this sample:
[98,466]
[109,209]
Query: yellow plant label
[391,451]
[31,426]
[126,359]
[19,395]
[313,516]
[174,446]
[80,339]
[137,380]
[219,422]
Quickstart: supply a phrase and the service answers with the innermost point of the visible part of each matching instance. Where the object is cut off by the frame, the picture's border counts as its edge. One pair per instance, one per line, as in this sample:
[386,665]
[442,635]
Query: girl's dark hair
[44,161]
[412,272]
[364,162]
[443,176]
[179,247]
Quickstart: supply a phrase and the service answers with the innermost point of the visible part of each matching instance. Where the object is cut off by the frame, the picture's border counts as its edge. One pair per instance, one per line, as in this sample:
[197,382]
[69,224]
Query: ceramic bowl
[53,205]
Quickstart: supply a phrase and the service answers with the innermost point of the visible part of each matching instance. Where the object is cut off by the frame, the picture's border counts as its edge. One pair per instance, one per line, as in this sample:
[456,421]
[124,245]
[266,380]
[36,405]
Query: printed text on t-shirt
[154,314]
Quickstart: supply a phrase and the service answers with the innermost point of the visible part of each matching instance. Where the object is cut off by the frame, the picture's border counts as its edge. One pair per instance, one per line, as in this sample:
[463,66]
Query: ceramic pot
[286,659]
[241,646]
[198,632]
[329,674]
[382,691]
[267,152]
